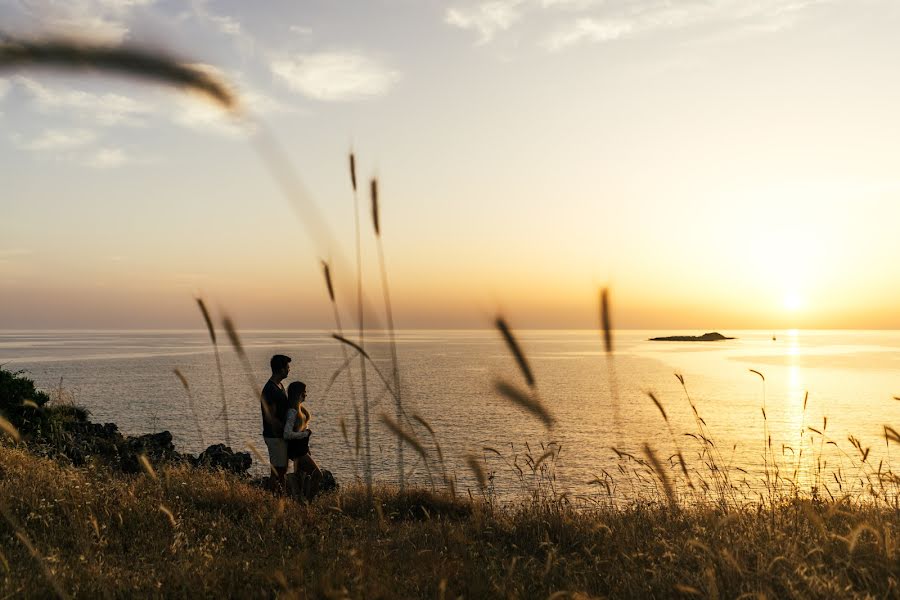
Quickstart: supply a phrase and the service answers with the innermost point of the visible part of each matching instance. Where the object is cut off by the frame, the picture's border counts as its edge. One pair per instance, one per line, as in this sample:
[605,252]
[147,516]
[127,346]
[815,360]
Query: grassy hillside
[92,532]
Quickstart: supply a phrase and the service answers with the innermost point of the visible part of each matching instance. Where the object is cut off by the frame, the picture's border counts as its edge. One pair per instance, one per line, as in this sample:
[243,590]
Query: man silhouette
[274,405]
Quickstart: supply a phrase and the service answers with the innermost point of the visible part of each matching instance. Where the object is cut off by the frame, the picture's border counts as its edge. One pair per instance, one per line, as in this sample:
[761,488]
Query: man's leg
[280,473]
[277,460]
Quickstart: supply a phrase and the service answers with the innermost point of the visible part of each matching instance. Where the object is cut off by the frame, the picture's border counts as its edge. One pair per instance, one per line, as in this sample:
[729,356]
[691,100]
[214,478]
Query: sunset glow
[716,167]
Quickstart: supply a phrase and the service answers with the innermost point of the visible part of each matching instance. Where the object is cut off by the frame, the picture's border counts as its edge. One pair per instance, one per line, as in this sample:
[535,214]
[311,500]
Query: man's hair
[279,361]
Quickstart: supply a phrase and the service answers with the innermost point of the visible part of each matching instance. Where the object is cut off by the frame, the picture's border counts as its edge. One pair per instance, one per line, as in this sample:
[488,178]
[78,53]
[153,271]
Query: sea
[800,408]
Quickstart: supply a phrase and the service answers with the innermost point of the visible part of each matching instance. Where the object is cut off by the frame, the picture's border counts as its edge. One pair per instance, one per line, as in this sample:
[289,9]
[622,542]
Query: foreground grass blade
[525,400]
[125,60]
[516,350]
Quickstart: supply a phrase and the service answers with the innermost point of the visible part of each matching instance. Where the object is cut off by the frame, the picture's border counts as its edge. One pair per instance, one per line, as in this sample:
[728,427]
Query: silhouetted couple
[286,430]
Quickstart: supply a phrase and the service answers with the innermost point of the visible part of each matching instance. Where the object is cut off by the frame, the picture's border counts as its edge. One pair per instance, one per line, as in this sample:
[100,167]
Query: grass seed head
[150,65]
[182,379]
[10,430]
[605,321]
[148,468]
[477,470]
[375,218]
[326,270]
[404,435]
[353,170]
[206,317]
[516,350]
[233,336]
[659,406]
[526,401]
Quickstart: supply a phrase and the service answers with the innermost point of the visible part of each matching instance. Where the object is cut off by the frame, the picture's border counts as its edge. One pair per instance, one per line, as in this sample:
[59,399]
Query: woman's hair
[295,390]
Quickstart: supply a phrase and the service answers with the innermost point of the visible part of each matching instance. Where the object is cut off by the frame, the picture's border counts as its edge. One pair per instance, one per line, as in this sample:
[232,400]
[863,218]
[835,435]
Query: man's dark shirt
[276,400]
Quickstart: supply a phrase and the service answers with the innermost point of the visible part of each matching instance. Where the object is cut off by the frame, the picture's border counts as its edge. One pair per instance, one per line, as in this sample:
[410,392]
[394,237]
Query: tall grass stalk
[329,285]
[389,314]
[710,453]
[768,456]
[680,455]
[191,405]
[607,333]
[404,435]
[212,337]
[252,385]
[799,460]
[367,458]
[526,399]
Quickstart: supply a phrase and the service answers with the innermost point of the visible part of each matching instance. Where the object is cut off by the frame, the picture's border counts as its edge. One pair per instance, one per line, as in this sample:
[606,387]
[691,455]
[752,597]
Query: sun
[793,301]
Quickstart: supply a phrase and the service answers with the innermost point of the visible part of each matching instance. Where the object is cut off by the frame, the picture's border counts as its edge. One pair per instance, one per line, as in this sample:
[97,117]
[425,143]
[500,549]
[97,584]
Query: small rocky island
[714,336]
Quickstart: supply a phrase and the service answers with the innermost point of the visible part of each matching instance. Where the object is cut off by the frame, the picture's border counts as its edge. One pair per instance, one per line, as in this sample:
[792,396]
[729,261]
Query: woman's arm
[290,421]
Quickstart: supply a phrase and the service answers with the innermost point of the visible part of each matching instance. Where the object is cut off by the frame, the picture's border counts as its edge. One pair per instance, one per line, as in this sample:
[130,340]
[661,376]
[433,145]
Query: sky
[717,164]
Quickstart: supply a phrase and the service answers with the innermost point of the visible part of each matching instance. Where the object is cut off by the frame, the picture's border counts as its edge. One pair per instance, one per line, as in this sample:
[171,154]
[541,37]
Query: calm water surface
[447,378]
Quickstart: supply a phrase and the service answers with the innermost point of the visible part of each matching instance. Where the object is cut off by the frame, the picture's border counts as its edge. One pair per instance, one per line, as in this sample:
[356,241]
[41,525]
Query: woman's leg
[308,466]
[295,480]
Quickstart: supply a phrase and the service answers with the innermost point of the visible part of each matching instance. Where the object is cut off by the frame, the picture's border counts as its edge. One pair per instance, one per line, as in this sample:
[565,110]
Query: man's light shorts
[277,452]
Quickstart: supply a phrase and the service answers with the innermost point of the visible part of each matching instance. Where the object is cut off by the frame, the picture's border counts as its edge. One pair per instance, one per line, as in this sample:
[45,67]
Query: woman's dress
[297,441]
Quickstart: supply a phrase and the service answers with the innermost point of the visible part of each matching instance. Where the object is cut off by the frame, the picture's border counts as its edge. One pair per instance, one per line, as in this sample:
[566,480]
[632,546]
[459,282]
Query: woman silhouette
[296,434]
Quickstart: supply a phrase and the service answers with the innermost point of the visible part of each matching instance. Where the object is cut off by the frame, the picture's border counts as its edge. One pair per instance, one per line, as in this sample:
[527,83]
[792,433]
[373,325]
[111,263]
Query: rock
[157,447]
[329,484]
[220,456]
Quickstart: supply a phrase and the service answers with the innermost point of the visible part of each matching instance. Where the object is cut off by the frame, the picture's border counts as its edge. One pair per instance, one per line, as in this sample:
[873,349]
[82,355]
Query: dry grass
[199,534]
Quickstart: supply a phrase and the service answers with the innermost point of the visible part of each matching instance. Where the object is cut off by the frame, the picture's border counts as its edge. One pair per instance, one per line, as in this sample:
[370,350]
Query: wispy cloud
[201,116]
[620,19]
[587,29]
[227,25]
[107,158]
[104,109]
[597,21]
[103,21]
[59,139]
[331,76]
[485,18]
[569,4]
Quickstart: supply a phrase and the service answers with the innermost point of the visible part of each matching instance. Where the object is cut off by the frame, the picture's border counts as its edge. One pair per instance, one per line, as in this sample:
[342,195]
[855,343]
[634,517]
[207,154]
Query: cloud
[104,109]
[103,21]
[59,139]
[486,18]
[301,30]
[202,116]
[616,20]
[587,29]
[569,4]
[599,21]
[107,158]
[227,25]
[332,76]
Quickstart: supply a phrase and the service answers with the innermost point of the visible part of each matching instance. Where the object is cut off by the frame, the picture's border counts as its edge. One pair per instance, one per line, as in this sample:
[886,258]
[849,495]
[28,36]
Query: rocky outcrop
[65,432]
[220,456]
